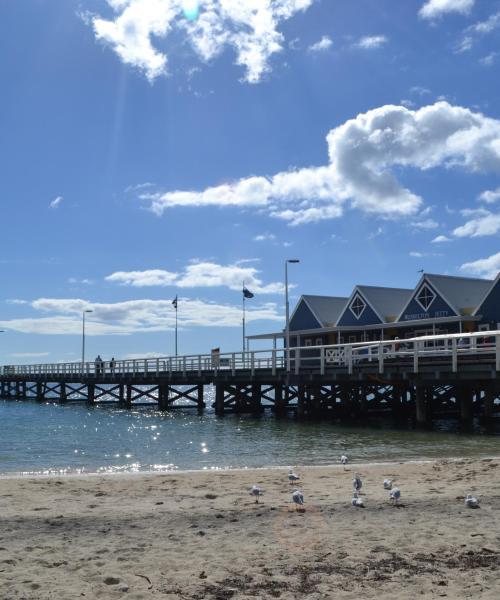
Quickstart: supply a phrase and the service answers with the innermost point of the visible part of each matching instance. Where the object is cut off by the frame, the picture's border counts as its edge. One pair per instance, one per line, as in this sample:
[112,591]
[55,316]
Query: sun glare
[191,9]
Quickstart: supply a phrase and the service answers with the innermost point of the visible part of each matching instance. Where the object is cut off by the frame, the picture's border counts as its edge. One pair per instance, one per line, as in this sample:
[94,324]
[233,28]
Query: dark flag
[174,302]
[247,293]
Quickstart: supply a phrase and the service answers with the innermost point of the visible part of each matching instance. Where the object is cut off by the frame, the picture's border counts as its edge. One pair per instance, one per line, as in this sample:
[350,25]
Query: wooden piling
[219,399]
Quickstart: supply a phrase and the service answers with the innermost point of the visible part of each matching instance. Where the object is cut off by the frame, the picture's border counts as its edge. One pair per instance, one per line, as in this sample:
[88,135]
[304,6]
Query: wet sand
[200,535]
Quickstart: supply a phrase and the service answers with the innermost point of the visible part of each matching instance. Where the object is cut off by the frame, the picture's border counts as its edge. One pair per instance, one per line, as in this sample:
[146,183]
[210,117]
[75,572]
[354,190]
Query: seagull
[395,495]
[292,476]
[344,460]
[256,491]
[357,501]
[387,484]
[471,501]
[298,497]
[357,483]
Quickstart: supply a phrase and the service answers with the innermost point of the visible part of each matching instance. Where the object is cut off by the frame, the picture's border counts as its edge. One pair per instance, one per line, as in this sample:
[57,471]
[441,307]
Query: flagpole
[176,303]
[243,321]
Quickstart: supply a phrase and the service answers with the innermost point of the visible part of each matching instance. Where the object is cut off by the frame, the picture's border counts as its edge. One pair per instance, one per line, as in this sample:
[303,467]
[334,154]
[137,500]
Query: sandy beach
[200,535]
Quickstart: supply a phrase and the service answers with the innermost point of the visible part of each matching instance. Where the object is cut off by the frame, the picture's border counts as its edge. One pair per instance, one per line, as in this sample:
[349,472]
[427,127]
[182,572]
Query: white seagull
[357,483]
[344,460]
[357,501]
[387,484]
[471,501]
[298,498]
[292,476]
[256,491]
[395,495]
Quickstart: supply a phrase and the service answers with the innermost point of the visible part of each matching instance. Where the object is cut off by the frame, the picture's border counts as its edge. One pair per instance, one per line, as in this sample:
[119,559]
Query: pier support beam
[280,404]
[163,396]
[219,399]
[63,397]
[464,396]
[301,401]
[40,397]
[201,400]
[256,399]
[91,394]
[422,413]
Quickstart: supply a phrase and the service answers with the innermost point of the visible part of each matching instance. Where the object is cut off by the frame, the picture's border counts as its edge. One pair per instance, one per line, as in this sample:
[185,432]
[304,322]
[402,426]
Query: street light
[287,308]
[84,312]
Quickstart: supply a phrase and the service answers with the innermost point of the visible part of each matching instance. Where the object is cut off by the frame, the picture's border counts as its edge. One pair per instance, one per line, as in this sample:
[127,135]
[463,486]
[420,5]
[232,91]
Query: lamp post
[84,312]
[287,308]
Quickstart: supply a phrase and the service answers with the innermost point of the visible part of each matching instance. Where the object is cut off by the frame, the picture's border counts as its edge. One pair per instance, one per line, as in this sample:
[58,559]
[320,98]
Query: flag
[174,302]
[247,293]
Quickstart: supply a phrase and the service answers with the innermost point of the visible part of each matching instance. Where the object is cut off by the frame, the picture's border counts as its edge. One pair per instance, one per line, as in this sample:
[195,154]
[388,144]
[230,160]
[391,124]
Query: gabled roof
[387,302]
[485,297]
[325,309]
[462,294]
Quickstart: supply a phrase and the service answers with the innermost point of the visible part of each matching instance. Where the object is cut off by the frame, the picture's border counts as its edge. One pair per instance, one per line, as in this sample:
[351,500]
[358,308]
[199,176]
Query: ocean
[75,438]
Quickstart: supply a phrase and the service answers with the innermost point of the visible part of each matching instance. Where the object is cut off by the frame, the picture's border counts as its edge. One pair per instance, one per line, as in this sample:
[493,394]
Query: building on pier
[438,305]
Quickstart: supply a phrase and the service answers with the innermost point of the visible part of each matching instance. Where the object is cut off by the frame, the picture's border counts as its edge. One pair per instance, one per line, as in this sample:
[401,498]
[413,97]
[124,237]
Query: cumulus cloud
[490,196]
[323,44]
[249,27]
[56,202]
[437,8]
[365,155]
[151,277]
[484,267]
[200,274]
[482,223]
[134,316]
[372,42]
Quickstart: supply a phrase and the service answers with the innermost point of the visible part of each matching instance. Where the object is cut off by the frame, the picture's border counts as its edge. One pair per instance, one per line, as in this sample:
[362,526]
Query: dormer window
[357,306]
[425,297]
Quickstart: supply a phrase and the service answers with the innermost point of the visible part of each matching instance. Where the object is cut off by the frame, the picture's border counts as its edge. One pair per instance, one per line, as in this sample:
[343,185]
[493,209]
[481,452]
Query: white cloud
[325,43]
[485,27]
[372,42]
[56,202]
[479,30]
[436,8]
[134,316]
[484,267]
[264,237]
[249,27]
[420,90]
[200,274]
[76,281]
[365,154]
[16,301]
[152,277]
[426,224]
[440,239]
[483,223]
[489,59]
[490,196]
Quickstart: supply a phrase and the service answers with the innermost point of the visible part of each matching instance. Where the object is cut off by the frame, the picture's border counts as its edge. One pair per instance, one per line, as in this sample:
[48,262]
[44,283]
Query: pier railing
[451,351]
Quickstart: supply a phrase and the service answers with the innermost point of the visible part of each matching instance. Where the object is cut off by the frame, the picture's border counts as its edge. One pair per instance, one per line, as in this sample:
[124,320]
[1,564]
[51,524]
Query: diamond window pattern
[425,297]
[357,306]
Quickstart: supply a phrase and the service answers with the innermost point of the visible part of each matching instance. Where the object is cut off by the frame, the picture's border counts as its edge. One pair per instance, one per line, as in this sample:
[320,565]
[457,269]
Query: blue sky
[154,148]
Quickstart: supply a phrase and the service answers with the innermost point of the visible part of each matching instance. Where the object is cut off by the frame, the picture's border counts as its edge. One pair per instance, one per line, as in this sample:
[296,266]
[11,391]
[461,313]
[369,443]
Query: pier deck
[421,378]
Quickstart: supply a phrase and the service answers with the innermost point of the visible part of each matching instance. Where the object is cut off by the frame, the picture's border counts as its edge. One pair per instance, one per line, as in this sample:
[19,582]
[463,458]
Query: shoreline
[195,535]
[150,473]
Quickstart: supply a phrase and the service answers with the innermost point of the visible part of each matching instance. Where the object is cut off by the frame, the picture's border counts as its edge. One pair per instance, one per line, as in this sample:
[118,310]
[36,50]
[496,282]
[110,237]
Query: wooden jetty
[421,378]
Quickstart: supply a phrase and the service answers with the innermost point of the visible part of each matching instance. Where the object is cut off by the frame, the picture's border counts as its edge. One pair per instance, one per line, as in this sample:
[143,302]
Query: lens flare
[191,9]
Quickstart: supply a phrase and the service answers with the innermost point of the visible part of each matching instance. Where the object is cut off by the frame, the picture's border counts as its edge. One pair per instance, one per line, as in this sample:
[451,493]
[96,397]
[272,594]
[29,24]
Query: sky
[154,149]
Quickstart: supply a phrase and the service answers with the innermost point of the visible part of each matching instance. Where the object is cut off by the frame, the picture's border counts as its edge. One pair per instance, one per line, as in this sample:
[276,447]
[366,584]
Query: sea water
[50,438]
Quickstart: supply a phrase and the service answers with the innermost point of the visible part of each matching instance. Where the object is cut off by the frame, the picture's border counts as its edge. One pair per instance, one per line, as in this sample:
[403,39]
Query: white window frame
[308,342]
[434,296]
[484,327]
[352,339]
[357,297]
[318,342]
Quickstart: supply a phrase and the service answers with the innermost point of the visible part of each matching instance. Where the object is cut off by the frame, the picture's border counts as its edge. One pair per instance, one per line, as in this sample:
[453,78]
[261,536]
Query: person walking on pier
[112,365]
[98,365]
